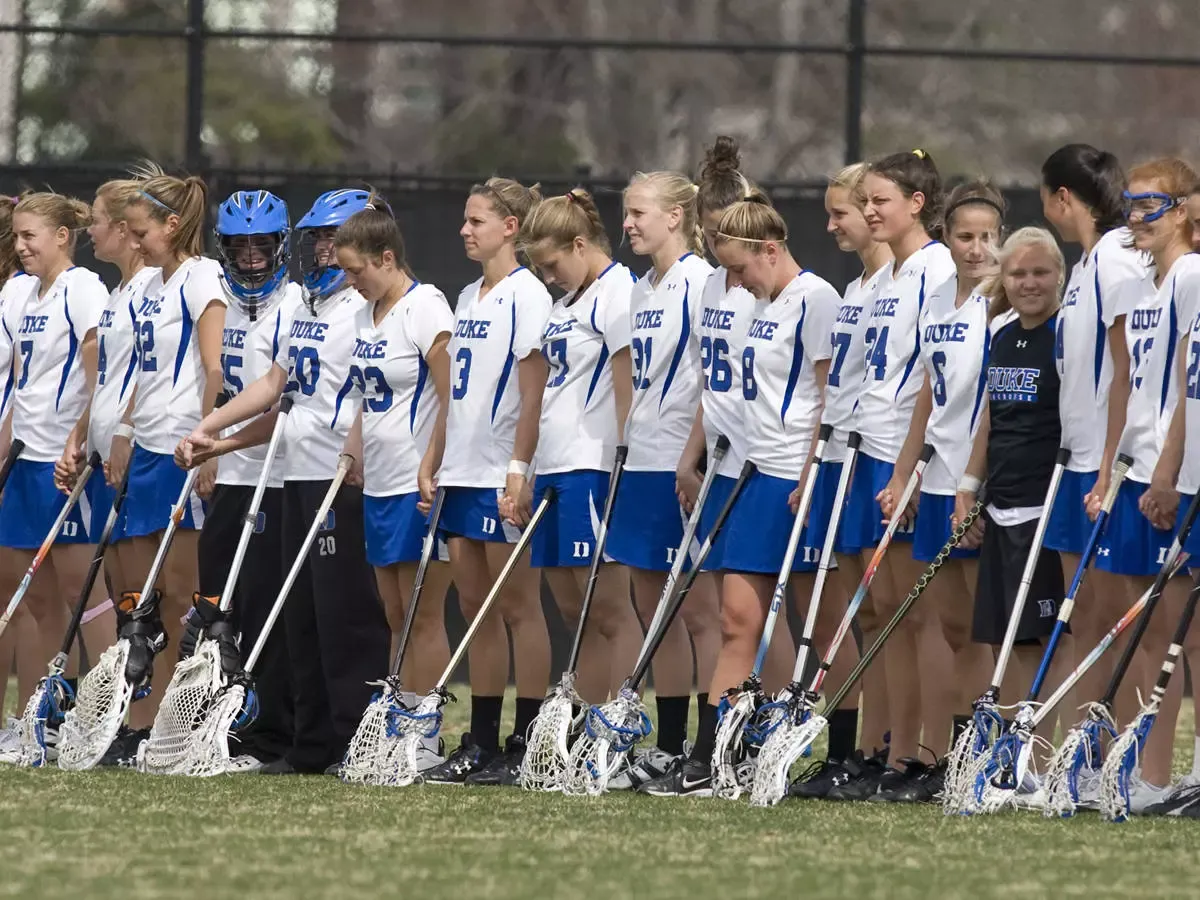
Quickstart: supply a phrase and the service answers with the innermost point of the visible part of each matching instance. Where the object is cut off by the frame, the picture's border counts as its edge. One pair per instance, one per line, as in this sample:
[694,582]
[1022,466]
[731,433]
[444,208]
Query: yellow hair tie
[919,153]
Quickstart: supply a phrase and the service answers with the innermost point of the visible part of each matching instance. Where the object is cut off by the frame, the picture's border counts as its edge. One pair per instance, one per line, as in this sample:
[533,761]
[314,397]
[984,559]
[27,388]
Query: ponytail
[186,199]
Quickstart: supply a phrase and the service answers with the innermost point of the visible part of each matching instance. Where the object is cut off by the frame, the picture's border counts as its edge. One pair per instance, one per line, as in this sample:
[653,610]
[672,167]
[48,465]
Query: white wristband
[969,484]
[516,467]
[123,430]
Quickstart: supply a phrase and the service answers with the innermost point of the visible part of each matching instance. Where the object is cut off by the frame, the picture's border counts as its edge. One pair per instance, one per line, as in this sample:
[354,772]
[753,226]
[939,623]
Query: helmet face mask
[253,241]
[320,273]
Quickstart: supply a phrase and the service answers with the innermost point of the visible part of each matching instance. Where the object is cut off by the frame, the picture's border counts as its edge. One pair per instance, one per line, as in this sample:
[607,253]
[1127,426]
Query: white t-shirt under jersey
[1189,473]
[848,362]
[579,413]
[954,352]
[248,351]
[493,332]
[666,364]
[1153,330]
[892,345]
[1104,285]
[787,337]
[170,374]
[722,324]
[400,403]
[116,361]
[47,332]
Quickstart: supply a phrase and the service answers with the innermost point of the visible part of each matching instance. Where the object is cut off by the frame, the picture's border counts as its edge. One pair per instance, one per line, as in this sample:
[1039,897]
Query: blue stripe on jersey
[275,336]
[684,333]
[8,379]
[601,361]
[422,375]
[797,365]
[72,348]
[912,360]
[1098,359]
[981,387]
[508,362]
[1172,339]
[346,388]
[133,354]
[185,332]
[596,303]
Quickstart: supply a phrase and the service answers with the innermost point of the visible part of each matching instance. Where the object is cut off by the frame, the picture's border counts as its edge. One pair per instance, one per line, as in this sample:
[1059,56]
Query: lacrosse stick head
[610,733]
[408,727]
[1121,763]
[1080,753]
[789,741]
[998,775]
[547,751]
[729,749]
[207,751]
[185,705]
[91,725]
[974,742]
[366,757]
[41,721]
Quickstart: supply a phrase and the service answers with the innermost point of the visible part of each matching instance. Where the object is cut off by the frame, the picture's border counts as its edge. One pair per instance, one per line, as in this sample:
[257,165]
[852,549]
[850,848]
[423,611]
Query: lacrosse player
[401,367]
[661,221]
[484,449]
[902,206]
[785,363]
[336,631]
[1081,198]
[584,409]
[953,351]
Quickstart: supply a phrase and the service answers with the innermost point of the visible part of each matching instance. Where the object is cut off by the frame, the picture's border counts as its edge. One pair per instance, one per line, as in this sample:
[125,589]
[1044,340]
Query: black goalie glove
[205,619]
[142,627]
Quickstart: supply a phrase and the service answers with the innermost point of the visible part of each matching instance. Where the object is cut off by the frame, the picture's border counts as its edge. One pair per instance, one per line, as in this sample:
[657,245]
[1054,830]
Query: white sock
[1196,757]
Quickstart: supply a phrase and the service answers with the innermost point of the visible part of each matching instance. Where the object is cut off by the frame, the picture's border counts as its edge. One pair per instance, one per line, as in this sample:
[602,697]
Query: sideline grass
[117,834]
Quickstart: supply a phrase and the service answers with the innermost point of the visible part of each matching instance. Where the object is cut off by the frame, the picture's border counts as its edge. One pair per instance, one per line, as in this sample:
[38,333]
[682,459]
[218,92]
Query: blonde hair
[185,198]
[753,221]
[1021,239]
[849,178]
[671,190]
[117,195]
[508,197]
[58,210]
[561,219]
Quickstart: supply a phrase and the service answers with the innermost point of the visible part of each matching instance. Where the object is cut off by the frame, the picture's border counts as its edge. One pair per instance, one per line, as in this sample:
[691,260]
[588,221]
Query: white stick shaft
[160,556]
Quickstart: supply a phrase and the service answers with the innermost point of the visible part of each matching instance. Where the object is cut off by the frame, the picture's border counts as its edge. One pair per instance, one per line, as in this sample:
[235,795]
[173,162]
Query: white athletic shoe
[1088,784]
[10,741]
[1030,795]
[1190,780]
[645,766]
[1142,795]
[428,757]
[244,765]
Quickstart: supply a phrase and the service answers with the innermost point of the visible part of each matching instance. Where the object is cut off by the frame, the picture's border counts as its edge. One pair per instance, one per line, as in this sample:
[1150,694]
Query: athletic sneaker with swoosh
[685,778]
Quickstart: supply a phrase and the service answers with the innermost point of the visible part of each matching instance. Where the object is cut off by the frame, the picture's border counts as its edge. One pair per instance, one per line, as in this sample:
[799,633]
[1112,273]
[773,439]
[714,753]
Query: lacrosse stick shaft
[674,602]
[428,545]
[1176,648]
[1031,561]
[689,534]
[589,592]
[43,551]
[789,554]
[914,481]
[1143,622]
[160,555]
[1120,469]
[15,449]
[493,594]
[913,595]
[260,488]
[344,463]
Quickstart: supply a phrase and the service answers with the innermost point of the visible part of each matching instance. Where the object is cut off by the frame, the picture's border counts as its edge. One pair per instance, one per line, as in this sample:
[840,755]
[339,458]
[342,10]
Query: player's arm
[438,360]
[968,487]
[259,395]
[821,373]
[687,472]
[353,448]
[622,375]
[532,373]
[66,467]
[1160,502]
[1118,403]
[256,433]
[910,452]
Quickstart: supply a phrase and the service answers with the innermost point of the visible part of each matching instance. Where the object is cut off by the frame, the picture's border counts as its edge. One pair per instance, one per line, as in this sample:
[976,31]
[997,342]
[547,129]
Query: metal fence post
[193,147]
[856,27]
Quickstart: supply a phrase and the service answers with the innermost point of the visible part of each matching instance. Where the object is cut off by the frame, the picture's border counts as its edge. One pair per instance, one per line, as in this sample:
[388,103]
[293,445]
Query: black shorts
[1001,564]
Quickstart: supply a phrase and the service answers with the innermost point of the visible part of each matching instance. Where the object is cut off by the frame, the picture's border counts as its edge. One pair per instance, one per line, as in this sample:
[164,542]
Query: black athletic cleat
[505,767]
[468,759]
[684,778]
[817,780]
[279,766]
[1183,802]
[920,783]
[859,778]
[122,752]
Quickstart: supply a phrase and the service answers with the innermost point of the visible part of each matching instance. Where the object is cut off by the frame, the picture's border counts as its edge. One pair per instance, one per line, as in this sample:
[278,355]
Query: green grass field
[117,834]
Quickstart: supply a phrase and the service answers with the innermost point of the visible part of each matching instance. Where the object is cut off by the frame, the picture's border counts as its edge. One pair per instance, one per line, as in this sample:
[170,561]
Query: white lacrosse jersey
[1153,330]
[51,388]
[892,347]
[579,411]
[12,289]
[1104,285]
[1189,472]
[666,364]
[723,321]
[249,349]
[315,352]
[170,374]
[116,360]
[954,352]
[848,363]
[787,337]
[400,403]
[492,333]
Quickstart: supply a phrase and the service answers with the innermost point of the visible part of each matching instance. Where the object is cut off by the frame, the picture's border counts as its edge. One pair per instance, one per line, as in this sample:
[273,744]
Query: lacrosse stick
[735,718]
[790,733]
[999,774]
[1123,755]
[1081,748]
[611,731]
[545,763]
[198,678]
[367,755]
[43,551]
[54,695]
[425,720]
[236,704]
[105,693]
[986,721]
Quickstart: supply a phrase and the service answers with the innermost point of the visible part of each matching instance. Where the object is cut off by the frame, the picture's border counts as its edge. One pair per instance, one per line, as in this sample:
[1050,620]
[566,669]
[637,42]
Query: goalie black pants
[258,584]
[337,633]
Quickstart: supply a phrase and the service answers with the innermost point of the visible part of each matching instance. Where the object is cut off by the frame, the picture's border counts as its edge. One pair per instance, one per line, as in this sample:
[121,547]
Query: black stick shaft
[1176,648]
[14,451]
[428,548]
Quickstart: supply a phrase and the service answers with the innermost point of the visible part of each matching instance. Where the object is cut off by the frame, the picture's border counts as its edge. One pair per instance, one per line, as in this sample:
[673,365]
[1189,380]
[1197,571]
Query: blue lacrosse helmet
[331,209]
[254,269]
